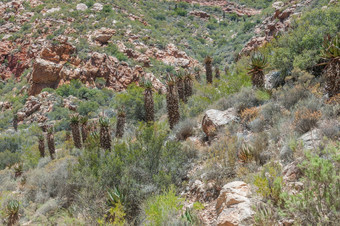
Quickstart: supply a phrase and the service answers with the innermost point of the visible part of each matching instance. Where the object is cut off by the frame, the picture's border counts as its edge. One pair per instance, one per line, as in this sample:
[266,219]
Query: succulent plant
[105,135]
[84,128]
[172,103]
[75,130]
[188,83]
[41,145]
[180,85]
[50,142]
[12,212]
[121,119]
[258,63]
[331,53]
[208,67]
[148,102]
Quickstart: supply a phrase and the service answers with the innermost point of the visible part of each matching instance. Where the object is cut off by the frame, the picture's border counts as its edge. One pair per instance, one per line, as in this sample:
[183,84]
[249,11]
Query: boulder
[311,139]
[44,74]
[81,7]
[278,5]
[286,154]
[215,119]
[233,206]
[97,7]
[53,10]
[273,80]
[103,35]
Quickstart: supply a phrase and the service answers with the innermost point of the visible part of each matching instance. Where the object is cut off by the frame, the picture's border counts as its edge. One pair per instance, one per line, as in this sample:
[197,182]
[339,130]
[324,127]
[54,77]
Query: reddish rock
[200,14]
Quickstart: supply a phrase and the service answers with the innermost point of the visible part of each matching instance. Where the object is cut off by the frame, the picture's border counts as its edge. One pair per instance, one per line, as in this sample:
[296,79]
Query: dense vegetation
[124,158]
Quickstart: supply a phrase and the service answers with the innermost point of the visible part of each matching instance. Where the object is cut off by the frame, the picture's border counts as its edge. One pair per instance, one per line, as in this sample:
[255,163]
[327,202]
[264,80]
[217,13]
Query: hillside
[149,112]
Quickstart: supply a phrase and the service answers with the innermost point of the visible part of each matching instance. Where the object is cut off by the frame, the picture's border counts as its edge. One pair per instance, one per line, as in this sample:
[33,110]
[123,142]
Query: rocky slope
[73,75]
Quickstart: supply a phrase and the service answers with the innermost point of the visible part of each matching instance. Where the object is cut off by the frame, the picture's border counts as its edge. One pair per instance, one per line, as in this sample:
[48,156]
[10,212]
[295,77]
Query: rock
[311,139]
[81,7]
[103,35]
[215,119]
[286,13]
[233,206]
[53,10]
[278,5]
[273,80]
[200,14]
[5,105]
[97,7]
[291,172]
[44,74]
[286,154]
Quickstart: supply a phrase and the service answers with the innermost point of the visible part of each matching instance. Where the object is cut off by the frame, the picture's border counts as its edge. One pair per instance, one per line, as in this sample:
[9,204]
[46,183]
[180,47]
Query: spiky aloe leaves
[331,53]
[208,68]
[148,102]
[172,102]
[75,130]
[258,63]
[105,136]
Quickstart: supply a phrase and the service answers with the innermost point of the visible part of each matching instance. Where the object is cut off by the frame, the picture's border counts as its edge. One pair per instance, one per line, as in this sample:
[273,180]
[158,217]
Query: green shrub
[138,168]
[269,182]
[302,46]
[8,158]
[161,209]
[181,12]
[319,201]
[86,107]
[112,50]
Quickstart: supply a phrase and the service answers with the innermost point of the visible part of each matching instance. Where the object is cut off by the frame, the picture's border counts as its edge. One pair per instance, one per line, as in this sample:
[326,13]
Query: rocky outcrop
[215,119]
[228,7]
[37,107]
[45,74]
[50,69]
[103,35]
[13,62]
[170,56]
[233,206]
[200,14]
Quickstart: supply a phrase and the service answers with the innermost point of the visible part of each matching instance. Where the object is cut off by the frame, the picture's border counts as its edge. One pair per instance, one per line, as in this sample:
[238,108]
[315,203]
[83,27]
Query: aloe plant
[208,68]
[331,54]
[75,130]
[257,65]
[12,212]
[105,136]
[148,102]
[172,102]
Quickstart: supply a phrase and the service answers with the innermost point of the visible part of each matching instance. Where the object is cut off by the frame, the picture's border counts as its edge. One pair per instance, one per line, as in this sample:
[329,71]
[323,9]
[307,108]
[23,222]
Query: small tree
[172,103]
[208,68]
